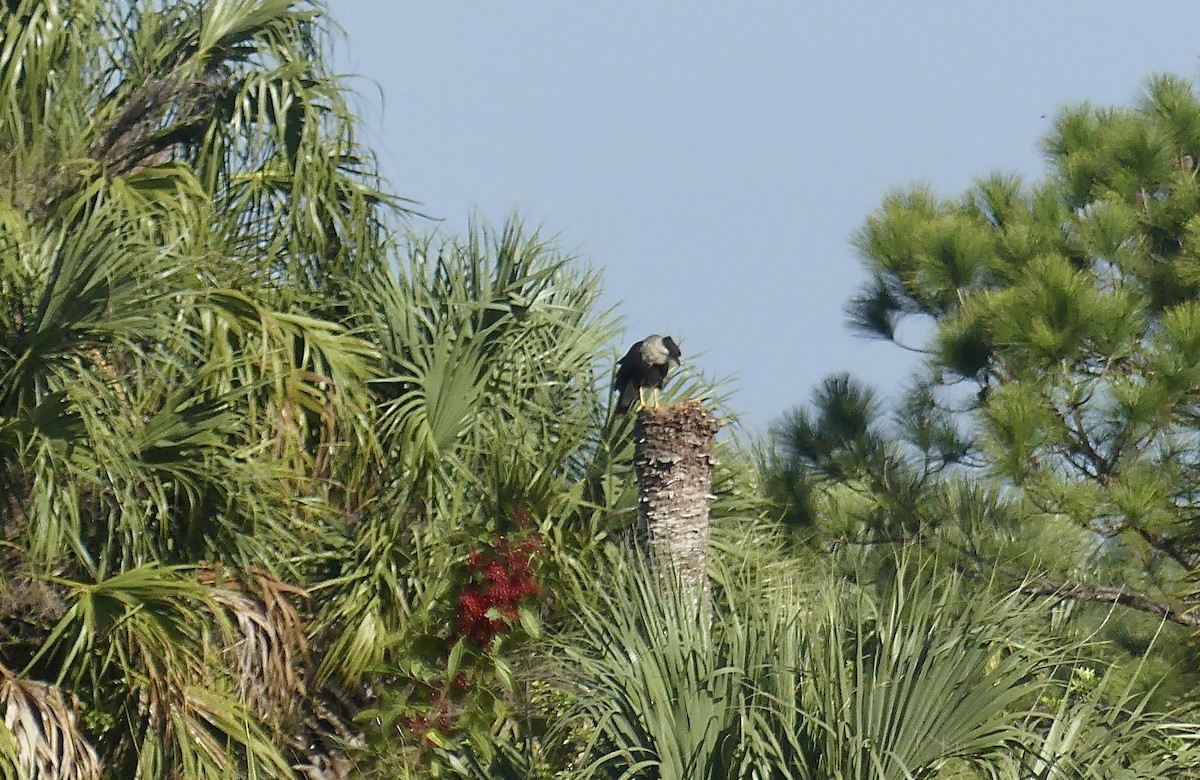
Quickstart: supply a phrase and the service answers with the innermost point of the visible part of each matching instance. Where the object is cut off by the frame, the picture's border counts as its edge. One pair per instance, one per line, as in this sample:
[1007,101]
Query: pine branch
[1083,592]
[1078,591]
[1167,547]
[1103,469]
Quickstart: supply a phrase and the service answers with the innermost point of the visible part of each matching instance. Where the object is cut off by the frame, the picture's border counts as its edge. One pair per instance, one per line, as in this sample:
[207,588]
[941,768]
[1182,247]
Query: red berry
[471,603]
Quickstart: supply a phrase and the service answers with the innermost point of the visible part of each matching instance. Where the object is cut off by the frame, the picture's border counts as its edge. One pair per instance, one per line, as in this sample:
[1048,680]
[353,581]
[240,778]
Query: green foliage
[143,647]
[182,197]
[1059,384]
[659,688]
[1092,729]
[451,684]
[896,671]
[484,407]
[908,679]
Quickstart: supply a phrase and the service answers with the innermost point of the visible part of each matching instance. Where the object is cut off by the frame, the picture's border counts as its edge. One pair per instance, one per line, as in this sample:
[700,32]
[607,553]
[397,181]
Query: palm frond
[142,643]
[905,681]
[661,692]
[40,735]
[1084,727]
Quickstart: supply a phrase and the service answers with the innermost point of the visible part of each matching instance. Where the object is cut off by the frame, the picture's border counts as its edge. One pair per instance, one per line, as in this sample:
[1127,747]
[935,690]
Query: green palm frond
[902,682]
[1085,728]
[10,756]
[183,200]
[236,91]
[805,677]
[396,571]
[75,288]
[667,689]
[488,346]
[149,643]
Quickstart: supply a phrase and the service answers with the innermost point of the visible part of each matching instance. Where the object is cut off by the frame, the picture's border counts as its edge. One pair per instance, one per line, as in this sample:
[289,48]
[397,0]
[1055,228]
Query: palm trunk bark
[674,457]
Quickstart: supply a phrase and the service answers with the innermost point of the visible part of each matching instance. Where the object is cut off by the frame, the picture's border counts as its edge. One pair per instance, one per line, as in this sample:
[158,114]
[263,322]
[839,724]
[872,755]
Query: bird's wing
[627,367]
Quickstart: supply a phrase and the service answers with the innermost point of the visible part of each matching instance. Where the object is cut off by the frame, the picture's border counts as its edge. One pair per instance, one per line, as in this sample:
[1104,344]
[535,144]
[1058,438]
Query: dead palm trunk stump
[673,454]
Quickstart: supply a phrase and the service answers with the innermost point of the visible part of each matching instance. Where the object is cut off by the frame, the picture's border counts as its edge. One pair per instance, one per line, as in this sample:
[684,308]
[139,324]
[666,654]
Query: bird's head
[656,350]
[672,349]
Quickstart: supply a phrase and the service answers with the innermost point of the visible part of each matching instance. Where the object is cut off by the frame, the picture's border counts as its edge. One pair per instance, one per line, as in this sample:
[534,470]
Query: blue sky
[713,160]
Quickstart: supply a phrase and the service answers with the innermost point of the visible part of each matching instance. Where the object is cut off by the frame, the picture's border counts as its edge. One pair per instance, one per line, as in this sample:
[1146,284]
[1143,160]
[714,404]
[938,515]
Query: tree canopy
[1052,428]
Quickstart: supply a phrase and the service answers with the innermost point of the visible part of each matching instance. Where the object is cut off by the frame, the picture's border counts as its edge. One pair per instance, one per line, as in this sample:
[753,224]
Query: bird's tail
[624,401]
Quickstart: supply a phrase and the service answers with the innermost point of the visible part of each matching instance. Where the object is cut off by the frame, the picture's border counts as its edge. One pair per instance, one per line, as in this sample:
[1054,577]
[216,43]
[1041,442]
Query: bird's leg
[654,393]
[641,399]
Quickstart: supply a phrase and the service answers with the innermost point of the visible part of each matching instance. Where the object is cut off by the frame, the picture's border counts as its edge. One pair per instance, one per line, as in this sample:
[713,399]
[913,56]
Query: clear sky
[713,159]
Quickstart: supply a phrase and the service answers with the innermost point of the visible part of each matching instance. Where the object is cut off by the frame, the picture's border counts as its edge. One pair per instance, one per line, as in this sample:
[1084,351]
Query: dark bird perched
[644,365]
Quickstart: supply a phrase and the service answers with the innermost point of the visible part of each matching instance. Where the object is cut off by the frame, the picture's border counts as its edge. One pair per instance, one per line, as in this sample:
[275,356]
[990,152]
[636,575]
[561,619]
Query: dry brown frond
[270,647]
[43,724]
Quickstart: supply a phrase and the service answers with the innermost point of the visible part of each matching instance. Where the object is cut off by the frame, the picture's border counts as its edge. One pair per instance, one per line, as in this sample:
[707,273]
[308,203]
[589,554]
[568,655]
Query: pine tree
[1053,427]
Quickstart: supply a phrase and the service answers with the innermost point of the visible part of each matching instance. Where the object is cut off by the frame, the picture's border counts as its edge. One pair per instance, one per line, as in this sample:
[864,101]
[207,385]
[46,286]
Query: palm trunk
[674,460]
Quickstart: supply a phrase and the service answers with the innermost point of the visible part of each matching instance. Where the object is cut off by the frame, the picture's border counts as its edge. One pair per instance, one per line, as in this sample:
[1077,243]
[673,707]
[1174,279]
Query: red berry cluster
[498,579]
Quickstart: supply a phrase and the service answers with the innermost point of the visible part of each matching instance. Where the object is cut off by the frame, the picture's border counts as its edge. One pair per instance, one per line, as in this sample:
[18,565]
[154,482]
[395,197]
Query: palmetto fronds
[147,646]
[181,196]
[150,356]
[485,404]
[818,676]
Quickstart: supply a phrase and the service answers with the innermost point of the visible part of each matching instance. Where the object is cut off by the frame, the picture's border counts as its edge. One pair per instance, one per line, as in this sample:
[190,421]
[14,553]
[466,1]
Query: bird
[644,366]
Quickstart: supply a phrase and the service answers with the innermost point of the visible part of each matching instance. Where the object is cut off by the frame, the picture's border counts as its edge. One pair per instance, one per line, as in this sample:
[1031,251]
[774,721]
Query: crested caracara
[644,366]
